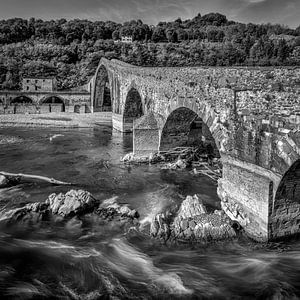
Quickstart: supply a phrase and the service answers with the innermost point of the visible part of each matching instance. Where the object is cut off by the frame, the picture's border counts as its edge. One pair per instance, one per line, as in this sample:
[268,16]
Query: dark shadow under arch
[289,188]
[102,94]
[77,108]
[184,127]
[133,108]
[285,213]
[55,104]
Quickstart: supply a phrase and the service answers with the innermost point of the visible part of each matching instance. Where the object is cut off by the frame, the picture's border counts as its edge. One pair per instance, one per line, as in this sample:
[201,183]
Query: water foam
[136,265]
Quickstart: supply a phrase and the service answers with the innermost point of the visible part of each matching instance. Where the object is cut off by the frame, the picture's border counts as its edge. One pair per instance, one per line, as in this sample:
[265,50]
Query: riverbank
[61,120]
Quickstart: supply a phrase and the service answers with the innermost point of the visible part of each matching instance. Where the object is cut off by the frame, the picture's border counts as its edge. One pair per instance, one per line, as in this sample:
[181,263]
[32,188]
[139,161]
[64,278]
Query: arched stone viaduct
[44,102]
[253,115]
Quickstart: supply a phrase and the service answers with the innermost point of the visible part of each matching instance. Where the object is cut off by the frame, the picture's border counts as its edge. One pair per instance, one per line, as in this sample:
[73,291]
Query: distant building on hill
[39,84]
[126,39]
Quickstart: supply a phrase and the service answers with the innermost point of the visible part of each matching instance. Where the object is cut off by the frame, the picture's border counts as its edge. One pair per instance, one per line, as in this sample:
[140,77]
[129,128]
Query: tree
[158,35]
[8,84]
[283,50]
[171,35]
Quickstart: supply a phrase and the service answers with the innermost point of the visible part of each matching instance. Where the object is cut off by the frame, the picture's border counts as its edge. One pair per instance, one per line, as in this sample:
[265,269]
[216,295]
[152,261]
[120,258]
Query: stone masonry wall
[253,115]
[257,105]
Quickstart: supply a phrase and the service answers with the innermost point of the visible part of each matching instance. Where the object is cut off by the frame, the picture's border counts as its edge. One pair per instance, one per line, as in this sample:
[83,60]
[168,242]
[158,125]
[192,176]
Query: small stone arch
[285,213]
[53,103]
[102,95]
[23,105]
[77,108]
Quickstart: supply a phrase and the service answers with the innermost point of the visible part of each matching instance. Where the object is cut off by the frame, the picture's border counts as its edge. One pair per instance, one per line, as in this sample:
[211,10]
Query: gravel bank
[64,120]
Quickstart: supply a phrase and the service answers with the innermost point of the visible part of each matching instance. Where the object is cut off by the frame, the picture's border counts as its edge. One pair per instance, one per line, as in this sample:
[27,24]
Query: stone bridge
[252,114]
[44,102]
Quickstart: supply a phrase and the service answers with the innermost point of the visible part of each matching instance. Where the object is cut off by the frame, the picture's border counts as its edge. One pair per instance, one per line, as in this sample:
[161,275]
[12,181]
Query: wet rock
[191,207]
[110,208]
[159,227]
[74,202]
[192,223]
[180,164]
[3,181]
[36,207]
[30,212]
[73,205]
[131,158]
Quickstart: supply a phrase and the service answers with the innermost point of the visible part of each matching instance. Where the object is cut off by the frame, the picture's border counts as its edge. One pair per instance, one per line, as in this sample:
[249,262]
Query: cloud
[255,1]
[153,11]
[273,11]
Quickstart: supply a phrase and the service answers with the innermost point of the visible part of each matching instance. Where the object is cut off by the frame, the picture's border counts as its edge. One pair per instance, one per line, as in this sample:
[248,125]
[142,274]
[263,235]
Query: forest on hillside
[71,50]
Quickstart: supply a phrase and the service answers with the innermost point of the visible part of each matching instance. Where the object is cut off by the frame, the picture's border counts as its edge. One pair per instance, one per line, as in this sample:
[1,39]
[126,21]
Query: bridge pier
[145,135]
[247,194]
[122,124]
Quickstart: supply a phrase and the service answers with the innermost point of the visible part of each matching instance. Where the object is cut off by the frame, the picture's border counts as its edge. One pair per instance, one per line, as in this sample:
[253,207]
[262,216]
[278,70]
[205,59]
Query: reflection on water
[84,259]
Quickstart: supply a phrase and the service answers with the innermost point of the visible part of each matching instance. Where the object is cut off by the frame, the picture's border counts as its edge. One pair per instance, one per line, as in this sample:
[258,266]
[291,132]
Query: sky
[285,12]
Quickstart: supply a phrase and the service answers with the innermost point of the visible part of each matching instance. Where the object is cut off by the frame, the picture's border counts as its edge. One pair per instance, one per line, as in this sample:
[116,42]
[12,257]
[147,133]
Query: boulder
[74,202]
[3,181]
[191,207]
[192,223]
[180,164]
[111,208]
[159,227]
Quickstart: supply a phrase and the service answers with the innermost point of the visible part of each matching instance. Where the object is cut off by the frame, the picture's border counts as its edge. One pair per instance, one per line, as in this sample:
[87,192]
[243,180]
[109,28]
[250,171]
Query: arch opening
[53,104]
[284,219]
[185,128]
[23,105]
[102,94]
[133,109]
[2,110]
[77,109]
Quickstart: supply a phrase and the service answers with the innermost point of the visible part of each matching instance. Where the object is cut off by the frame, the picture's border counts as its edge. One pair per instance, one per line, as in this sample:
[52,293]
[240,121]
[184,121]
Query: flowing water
[82,259]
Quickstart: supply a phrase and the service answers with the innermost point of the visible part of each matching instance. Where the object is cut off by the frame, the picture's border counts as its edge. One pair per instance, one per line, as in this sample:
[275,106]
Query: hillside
[71,50]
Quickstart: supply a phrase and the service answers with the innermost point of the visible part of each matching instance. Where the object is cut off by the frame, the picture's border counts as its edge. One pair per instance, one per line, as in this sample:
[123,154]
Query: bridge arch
[187,124]
[285,213]
[102,96]
[133,108]
[54,103]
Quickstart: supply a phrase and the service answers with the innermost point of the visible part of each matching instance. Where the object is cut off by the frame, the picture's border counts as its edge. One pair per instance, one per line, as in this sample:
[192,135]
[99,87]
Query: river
[80,259]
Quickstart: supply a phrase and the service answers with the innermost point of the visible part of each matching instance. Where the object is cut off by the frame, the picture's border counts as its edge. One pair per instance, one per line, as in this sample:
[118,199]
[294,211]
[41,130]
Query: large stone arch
[53,103]
[102,98]
[284,215]
[205,114]
[131,110]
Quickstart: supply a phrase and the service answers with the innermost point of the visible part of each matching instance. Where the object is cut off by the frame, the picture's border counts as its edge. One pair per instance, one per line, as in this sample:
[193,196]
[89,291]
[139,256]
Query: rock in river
[192,223]
[74,202]
[3,181]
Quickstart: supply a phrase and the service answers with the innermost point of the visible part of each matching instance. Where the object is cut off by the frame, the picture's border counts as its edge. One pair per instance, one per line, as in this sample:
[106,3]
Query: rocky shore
[189,223]
[74,203]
